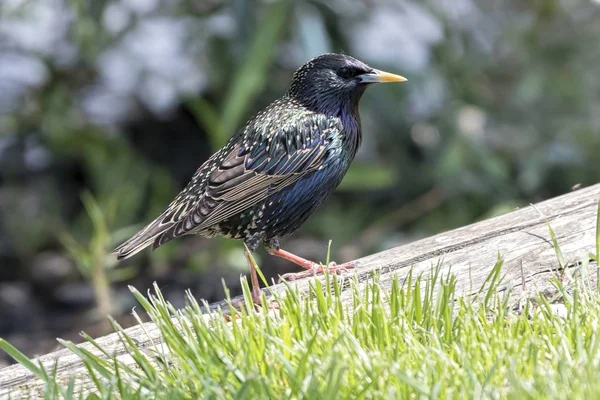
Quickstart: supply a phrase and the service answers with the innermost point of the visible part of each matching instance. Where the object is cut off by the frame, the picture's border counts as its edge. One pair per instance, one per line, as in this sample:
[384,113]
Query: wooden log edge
[521,238]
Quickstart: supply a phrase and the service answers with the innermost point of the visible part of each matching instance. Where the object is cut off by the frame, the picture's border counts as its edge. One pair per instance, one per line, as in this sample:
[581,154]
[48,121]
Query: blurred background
[108,107]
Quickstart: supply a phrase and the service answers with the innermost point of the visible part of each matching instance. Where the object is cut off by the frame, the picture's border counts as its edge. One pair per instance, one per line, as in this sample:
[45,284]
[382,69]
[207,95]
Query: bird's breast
[285,211]
[351,132]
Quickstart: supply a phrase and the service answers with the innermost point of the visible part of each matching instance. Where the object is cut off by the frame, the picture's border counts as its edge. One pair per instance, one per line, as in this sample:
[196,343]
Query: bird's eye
[344,72]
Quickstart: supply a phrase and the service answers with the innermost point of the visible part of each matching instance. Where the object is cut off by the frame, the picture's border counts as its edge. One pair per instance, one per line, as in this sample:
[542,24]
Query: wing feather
[245,187]
[241,176]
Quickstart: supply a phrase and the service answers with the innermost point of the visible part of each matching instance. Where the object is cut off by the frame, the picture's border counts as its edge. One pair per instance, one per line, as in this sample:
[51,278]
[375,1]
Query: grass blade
[598,233]
[22,359]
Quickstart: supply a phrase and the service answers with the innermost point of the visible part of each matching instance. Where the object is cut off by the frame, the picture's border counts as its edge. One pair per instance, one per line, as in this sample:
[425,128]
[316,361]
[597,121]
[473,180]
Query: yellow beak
[377,76]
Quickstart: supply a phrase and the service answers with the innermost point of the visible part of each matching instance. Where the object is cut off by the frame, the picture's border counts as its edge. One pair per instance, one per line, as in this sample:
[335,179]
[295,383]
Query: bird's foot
[256,293]
[317,269]
[257,300]
[271,305]
[238,304]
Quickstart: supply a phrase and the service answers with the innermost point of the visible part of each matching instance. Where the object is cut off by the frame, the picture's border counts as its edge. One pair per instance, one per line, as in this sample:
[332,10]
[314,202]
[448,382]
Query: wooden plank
[521,238]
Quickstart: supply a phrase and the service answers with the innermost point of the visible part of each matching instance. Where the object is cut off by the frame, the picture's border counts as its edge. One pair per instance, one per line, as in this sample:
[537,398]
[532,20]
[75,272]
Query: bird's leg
[251,244]
[312,268]
[253,277]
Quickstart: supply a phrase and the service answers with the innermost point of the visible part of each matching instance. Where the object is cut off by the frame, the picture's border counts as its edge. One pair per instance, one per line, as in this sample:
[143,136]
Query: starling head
[330,82]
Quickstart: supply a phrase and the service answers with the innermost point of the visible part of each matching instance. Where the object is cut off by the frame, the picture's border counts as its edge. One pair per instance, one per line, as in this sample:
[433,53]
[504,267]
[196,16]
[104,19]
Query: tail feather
[142,239]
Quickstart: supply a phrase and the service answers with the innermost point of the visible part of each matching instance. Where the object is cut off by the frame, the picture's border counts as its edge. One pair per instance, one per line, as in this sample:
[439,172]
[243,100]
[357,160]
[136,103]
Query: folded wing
[241,175]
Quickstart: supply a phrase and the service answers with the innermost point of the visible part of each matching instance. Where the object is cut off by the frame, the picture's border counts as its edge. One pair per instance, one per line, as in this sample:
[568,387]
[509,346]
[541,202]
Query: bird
[265,182]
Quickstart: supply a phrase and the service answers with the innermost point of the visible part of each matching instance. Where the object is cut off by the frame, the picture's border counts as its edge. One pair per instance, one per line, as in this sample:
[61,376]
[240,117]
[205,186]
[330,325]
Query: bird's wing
[248,174]
[176,211]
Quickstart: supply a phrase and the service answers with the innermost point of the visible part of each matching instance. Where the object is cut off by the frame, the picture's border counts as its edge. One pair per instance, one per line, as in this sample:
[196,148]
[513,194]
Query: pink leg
[253,279]
[312,268]
[256,293]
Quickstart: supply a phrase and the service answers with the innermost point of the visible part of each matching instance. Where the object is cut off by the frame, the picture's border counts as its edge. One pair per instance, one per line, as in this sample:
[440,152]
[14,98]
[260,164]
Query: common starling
[277,170]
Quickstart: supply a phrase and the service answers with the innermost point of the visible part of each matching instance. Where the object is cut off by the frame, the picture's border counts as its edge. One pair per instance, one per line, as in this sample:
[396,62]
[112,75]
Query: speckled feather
[268,179]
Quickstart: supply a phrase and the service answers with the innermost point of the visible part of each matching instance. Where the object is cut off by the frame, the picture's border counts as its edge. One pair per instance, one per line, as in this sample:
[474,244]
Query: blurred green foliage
[249,79]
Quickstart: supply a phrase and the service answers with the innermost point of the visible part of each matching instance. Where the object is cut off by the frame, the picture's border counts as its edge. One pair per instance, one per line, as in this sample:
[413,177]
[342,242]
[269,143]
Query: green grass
[419,340]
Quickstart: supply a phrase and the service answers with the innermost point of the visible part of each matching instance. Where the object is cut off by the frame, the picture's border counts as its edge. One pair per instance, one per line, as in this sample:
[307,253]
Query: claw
[317,269]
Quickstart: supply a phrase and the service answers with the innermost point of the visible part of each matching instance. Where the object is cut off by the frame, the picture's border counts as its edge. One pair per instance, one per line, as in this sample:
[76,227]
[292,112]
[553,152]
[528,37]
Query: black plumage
[273,174]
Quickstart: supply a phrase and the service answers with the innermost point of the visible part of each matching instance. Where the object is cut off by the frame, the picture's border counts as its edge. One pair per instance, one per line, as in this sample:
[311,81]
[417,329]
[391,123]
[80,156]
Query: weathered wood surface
[521,237]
